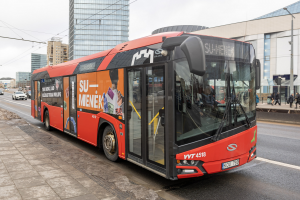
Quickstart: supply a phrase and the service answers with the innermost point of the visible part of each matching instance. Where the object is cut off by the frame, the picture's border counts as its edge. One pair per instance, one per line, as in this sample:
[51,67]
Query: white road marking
[278,163]
[16,103]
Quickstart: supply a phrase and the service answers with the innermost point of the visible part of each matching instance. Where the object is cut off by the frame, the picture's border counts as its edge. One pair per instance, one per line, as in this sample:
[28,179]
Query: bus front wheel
[47,121]
[110,144]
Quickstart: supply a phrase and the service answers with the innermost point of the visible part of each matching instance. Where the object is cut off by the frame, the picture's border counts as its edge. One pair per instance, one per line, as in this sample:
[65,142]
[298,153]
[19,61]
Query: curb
[279,121]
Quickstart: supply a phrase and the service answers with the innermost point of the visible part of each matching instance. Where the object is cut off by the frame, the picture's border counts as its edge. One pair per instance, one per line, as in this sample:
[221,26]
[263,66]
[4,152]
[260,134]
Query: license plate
[230,164]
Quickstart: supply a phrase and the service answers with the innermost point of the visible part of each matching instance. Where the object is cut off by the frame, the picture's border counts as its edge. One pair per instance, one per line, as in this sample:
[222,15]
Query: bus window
[155,97]
[135,111]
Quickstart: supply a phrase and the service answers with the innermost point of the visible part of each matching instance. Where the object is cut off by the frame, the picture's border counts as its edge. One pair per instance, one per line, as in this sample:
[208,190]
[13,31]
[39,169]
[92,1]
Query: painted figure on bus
[113,99]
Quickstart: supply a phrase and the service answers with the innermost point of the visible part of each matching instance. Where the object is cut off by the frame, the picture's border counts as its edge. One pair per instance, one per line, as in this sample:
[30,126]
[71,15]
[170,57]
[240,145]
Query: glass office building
[23,76]
[38,61]
[97,25]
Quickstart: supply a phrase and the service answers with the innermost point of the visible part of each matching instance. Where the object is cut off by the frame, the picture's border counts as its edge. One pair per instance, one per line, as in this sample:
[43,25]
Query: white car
[19,95]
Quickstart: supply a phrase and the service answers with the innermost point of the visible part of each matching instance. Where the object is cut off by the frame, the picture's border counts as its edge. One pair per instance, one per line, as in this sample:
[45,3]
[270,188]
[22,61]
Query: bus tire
[47,121]
[110,144]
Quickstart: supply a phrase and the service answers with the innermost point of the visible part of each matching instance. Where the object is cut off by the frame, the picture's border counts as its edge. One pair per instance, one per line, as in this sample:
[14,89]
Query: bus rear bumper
[214,167]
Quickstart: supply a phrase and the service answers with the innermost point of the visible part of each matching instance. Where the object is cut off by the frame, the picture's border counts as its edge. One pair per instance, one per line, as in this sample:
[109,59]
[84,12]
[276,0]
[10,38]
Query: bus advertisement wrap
[102,91]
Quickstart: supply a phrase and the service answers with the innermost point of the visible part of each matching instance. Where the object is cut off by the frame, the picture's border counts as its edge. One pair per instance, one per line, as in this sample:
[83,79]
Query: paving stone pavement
[36,165]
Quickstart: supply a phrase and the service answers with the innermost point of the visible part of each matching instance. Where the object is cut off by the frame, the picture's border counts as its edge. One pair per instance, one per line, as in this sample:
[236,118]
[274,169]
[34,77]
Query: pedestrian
[272,98]
[291,99]
[257,100]
[277,99]
[297,99]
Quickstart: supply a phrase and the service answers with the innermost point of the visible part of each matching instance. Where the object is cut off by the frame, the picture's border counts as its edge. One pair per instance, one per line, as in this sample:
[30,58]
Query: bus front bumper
[201,168]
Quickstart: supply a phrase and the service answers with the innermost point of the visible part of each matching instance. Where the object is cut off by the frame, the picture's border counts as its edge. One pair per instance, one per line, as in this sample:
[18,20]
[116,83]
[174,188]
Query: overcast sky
[50,17]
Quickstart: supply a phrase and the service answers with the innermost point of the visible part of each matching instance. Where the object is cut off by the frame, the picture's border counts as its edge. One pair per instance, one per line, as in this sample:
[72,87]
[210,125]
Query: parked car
[1,92]
[19,95]
[28,94]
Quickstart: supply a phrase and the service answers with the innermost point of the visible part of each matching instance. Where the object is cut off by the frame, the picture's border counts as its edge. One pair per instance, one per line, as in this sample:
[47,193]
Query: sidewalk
[277,107]
[38,166]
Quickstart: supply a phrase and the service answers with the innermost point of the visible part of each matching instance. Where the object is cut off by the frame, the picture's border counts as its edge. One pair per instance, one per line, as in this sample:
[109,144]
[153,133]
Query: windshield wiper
[237,101]
[216,136]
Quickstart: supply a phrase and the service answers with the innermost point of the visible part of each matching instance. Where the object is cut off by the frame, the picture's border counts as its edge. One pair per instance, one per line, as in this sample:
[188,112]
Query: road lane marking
[278,163]
[16,103]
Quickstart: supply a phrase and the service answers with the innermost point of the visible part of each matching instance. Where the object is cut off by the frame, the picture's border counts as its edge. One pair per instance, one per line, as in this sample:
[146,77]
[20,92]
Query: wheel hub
[109,143]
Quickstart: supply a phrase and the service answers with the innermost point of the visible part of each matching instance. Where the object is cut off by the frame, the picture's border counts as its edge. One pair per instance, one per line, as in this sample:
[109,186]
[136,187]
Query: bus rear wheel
[47,121]
[110,144]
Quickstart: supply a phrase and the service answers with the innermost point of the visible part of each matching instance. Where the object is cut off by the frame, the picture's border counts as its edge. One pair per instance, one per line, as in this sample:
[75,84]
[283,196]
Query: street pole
[292,60]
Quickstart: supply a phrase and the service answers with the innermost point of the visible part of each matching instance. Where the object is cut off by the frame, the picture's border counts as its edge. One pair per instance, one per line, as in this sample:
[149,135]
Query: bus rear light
[178,161]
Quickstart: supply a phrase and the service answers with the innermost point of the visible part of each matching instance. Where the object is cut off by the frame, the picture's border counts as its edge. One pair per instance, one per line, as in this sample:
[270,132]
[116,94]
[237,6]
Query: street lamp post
[292,60]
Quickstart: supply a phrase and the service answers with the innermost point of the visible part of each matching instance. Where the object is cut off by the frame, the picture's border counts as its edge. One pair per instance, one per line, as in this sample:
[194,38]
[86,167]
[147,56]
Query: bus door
[146,102]
[37,99]
[70,120]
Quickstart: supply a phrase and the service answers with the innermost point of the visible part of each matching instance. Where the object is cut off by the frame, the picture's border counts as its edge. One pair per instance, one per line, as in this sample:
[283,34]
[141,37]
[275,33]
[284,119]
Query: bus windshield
[201,100]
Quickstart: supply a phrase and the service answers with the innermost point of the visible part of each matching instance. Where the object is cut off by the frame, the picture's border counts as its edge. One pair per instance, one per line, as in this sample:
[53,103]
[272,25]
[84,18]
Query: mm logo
[231,147]
[146,54]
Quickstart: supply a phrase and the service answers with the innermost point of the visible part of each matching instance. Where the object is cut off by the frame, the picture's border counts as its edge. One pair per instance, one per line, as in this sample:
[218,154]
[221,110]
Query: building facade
[38,61]
[23,76]
[97,25]
[271,38]
[7,82]
[57,52]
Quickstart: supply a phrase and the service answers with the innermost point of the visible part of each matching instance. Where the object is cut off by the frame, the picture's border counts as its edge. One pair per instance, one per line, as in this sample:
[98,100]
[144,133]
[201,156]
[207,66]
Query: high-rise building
[97,25]
[38,61]
[23,76]
[57,52]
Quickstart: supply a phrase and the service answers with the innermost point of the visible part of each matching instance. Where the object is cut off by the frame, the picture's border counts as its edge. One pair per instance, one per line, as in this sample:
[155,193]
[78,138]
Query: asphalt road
[275,174]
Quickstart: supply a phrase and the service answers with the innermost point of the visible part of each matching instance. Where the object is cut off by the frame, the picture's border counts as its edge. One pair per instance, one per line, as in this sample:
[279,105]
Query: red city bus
[180,105]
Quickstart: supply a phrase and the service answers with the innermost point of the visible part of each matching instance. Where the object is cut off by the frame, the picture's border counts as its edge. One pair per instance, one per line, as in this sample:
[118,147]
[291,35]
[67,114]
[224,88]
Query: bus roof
[68,68]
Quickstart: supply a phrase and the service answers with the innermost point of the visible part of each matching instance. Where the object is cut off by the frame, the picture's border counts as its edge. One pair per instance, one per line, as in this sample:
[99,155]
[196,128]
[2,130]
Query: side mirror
[257,74]
[162,116]
[193,49]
